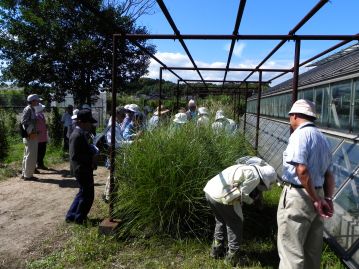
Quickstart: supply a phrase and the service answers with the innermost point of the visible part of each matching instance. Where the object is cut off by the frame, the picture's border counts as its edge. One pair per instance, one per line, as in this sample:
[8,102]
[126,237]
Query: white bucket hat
[133,108]
[74,114]
[268,175]
[181,118]
[220,115]
[203,111]
[305,107]
[33,97]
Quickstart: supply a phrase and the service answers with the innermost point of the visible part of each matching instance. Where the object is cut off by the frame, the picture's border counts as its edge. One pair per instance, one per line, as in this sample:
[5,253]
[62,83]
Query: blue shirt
[308,146]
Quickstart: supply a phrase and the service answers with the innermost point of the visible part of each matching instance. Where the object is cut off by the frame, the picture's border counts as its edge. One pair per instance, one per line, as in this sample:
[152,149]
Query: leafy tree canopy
[55,47]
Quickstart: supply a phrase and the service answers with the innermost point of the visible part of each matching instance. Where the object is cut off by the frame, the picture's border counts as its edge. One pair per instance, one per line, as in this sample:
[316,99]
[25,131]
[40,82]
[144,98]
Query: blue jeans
[83,201]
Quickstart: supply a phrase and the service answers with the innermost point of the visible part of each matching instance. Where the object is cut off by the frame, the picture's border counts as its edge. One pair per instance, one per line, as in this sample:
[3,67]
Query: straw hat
[305,107]
[180,118]
[163,110]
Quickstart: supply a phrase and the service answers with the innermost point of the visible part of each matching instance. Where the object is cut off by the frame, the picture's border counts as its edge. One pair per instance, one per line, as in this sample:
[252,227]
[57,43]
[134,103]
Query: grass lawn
[86,248]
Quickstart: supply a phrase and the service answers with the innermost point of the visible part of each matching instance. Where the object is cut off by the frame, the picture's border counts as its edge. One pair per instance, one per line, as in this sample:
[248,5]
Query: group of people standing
[307,181]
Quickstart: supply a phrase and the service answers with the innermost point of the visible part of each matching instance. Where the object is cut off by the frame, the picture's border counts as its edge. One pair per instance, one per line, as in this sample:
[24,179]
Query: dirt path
[30,211]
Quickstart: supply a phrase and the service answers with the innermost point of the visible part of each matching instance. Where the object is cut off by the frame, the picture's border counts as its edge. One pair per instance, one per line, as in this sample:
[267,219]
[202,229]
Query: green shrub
[55,128]
[162,176]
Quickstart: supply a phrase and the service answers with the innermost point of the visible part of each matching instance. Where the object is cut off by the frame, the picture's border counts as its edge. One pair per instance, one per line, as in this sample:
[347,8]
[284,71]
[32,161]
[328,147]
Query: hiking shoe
[217,250]
[233,258]
[37,171]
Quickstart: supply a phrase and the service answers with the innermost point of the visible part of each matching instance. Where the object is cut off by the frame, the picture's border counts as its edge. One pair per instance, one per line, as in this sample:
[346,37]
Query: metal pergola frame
[233,37]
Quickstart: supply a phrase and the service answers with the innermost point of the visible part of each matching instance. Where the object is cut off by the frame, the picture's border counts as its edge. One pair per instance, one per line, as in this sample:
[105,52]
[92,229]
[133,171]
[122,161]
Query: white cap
[33,97]
[39,108]
[220,115]
[181,118]
[268,175]
[203,111]
[133,108]
[305,107]
[74,114]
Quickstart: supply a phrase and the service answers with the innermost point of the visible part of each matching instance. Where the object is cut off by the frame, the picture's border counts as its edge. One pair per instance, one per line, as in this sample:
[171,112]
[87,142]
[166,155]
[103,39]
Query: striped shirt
[308,146]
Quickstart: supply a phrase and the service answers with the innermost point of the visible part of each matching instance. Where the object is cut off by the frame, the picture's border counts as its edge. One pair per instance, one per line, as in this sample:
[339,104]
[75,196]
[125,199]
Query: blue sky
[260,17]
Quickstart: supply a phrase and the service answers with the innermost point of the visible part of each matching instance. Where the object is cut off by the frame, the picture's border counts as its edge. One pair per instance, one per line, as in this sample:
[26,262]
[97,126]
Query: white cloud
[181,60]
[238,48]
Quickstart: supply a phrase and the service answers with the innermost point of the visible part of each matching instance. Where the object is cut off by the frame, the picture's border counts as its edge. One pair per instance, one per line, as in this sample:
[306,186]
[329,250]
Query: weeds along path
[31,211]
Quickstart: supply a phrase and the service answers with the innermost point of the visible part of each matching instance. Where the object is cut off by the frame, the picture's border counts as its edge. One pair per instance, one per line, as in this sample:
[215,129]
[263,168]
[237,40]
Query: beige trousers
[300,230]
[30,157]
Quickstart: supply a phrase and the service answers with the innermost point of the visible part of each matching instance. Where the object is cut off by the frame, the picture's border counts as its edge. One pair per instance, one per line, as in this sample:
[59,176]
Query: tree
[55,47]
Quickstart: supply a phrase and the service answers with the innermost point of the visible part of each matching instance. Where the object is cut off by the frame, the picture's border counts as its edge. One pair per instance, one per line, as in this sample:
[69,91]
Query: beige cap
[305,107]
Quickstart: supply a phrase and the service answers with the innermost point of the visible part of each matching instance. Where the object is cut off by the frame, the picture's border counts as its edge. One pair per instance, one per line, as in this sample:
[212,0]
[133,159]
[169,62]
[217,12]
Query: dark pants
[82,203]
[66,140]
[41,151]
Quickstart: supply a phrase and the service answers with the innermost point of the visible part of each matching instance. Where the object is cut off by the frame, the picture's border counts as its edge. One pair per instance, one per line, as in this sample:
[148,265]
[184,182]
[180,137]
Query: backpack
[23,132]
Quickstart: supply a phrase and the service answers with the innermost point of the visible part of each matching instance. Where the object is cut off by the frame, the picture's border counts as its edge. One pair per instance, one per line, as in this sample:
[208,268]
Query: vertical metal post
[186,94]
[296,71]
[238,103]
[113,122]
[245,108]
[258,110]
[177,96]
[234,100]
[160,95]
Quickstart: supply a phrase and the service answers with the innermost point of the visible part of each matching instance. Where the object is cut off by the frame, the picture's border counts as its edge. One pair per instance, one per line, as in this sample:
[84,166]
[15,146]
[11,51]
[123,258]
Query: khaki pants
[30,157]
[300,230]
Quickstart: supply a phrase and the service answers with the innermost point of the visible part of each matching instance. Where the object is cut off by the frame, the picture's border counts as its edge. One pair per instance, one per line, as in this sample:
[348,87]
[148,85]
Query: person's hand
[323,208]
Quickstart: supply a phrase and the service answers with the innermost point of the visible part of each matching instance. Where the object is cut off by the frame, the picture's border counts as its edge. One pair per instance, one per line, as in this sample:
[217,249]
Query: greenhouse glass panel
[333,142]
[355,259]
[308,95]
[345,160]
[356,106]
[322,104]
[340,105]
[343,226]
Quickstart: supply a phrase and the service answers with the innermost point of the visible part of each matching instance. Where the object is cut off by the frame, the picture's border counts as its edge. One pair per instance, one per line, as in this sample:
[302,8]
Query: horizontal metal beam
[228,69]
[240,37]
[217,80]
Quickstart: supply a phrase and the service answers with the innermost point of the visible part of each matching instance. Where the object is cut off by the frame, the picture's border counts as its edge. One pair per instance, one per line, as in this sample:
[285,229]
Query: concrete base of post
[108,226]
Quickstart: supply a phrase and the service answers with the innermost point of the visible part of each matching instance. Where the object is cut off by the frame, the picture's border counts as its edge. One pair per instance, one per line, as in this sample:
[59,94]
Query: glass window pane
[356,106]
[345,160]
[343,226]
[340,105]
[308,94]
[333,142]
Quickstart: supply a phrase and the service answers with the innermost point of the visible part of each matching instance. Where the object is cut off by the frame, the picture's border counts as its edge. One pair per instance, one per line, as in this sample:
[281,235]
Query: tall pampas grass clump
[160,179]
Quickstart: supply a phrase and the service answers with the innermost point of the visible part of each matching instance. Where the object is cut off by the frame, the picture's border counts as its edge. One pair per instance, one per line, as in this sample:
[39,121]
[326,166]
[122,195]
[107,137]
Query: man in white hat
[308,187]
[237,184]
[30,139]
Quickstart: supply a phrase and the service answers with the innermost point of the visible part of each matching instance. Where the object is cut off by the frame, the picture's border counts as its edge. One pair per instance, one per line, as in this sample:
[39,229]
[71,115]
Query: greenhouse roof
[342,63]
